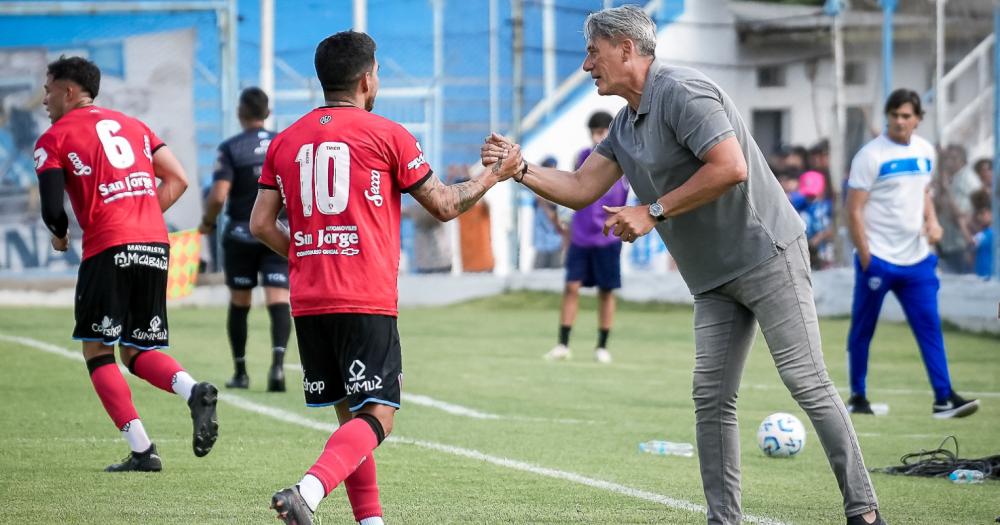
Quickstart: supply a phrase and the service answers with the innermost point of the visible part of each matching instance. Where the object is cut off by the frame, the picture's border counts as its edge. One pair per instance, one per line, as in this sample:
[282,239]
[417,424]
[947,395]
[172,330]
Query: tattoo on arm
[446,202]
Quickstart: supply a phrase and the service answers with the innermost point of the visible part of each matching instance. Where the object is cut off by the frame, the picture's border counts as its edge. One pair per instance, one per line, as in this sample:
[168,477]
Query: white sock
[374,520]
[311,489]
[135,434]
[182,383]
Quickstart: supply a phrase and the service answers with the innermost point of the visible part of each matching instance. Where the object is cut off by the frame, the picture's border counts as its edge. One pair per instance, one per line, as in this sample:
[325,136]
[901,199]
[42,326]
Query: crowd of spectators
[961,192]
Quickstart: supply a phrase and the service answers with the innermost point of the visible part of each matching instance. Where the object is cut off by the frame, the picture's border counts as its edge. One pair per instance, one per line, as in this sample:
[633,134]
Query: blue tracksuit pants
[916,288]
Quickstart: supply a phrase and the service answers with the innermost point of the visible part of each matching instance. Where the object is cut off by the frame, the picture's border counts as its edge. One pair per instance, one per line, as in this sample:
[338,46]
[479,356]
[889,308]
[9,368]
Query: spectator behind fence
[892,223]
[984,171]
[982,213]
[550,232]
[954,247]
[473,228]
[431,242]
[818,216]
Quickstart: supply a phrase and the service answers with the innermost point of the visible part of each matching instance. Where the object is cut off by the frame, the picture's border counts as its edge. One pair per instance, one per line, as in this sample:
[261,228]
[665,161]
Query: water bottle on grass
[667,448]
[966,476]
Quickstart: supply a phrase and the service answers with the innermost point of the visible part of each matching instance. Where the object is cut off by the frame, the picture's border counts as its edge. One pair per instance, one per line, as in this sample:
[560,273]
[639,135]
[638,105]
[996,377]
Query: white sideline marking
[459,410]
[295,419]
[907,436]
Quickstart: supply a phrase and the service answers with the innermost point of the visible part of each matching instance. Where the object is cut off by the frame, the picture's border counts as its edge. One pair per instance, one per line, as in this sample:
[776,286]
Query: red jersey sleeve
[152,141]
[267,177]
[47,153]
[411,167]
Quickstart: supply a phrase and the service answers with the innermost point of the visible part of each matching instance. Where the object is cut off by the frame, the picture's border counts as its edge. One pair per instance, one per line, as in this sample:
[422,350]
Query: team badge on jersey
[40,157]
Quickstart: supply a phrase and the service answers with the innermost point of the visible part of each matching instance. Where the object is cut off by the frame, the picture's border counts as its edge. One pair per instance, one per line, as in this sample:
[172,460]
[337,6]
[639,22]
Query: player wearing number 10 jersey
[108,162]
[340,171]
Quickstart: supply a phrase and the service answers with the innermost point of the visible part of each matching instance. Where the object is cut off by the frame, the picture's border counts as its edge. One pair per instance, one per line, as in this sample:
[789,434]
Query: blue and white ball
[781,435]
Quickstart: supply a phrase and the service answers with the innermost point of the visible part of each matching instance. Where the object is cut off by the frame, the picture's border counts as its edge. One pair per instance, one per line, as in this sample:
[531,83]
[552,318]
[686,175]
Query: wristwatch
[656,210]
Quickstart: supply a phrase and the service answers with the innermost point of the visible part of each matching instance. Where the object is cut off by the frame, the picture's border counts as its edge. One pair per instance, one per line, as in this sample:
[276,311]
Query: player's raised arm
[173,181]
[573,189]
[264,221]
[445,202]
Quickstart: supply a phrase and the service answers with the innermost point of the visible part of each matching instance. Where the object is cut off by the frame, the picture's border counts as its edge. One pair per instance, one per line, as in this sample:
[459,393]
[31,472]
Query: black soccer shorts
[352,357]
[245,257]
[121,295]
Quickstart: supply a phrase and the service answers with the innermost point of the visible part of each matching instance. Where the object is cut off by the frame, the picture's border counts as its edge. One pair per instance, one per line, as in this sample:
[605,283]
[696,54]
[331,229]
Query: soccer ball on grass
[781,435]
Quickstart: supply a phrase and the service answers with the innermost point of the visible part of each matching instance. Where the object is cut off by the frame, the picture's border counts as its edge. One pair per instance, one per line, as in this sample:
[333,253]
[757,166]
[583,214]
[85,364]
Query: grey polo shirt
[682,115]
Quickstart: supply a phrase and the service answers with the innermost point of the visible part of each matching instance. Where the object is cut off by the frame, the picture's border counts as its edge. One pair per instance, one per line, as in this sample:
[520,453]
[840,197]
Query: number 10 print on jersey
[341,172]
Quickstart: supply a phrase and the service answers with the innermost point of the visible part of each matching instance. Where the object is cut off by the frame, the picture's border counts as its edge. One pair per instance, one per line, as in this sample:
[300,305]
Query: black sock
[278,356]
[237,329]
[564,334]
[281,327]
[602,338]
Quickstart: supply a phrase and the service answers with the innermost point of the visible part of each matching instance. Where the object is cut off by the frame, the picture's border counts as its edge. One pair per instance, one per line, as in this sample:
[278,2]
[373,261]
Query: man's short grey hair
[627,21]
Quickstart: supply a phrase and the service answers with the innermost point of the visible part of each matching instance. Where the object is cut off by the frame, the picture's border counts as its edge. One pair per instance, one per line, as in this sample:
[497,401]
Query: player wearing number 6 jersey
[339,171]
[108,163]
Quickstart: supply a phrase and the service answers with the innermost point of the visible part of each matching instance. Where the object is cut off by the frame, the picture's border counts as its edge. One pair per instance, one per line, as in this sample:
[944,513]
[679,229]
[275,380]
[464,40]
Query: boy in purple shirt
[593,259]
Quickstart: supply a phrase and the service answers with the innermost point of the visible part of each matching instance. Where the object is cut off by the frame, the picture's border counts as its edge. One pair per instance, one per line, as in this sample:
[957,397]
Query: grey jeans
[778,295]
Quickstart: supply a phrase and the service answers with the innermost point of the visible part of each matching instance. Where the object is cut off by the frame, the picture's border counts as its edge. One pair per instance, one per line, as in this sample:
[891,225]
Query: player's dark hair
[253,104]
[982,163]
[600,120]
[342,58]
[902,96]
[79,70]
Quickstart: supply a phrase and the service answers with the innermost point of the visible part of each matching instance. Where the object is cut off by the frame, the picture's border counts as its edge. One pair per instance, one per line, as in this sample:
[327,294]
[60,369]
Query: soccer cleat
[291,508]
[239,381]
[955,406]
[559,353]
[858,404]
[601,355]
[148,461]
[860,520]
[204,397]
[276,379]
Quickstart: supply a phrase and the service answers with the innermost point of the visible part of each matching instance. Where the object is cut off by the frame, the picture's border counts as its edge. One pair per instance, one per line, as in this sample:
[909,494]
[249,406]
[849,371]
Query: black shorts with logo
[356,357]
[245,257]
[121,295]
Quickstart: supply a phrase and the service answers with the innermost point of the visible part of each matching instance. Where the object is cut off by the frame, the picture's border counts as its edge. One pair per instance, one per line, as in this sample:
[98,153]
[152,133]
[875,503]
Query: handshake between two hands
[503,158]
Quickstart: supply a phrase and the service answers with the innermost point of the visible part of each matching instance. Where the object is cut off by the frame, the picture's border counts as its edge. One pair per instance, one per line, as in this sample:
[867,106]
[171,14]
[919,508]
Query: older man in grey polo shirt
[737,241]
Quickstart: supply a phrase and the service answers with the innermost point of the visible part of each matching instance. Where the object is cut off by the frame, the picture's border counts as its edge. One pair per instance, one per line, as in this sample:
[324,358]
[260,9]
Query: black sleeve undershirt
[51,185]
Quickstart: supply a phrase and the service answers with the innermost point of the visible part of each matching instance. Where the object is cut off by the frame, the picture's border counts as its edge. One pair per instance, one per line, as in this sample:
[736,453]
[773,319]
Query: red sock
[362,490]
[344,452]
[114,392]
[157,368]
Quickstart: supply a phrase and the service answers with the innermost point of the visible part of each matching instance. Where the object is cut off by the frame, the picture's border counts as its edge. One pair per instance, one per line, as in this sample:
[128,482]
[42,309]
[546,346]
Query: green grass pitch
[576,417]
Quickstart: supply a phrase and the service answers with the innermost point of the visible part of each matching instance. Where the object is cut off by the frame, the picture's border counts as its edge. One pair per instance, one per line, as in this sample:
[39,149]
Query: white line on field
[295,419]
[906,436]
[895,391]
[459,410]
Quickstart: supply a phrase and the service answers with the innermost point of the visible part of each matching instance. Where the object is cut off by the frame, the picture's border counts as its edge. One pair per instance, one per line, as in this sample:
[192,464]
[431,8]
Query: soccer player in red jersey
[108,162]
[339,171]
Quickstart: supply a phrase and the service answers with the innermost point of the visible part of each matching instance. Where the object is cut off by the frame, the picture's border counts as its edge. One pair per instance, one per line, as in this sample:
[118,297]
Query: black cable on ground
[940,462]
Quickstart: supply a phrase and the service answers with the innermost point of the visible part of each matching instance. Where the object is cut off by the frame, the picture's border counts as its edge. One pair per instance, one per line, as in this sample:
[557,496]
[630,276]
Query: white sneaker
[601,355]
[559,353]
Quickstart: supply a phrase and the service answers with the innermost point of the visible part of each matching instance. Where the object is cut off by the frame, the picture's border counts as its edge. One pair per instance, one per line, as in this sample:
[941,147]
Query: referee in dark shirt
[244,258]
